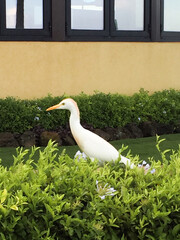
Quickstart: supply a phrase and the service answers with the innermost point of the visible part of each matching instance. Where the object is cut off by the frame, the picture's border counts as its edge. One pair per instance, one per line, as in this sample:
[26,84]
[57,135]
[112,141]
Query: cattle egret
[90,143]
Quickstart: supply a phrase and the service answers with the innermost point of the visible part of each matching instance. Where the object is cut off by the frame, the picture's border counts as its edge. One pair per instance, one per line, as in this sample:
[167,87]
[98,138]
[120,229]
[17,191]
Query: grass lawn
[144,147]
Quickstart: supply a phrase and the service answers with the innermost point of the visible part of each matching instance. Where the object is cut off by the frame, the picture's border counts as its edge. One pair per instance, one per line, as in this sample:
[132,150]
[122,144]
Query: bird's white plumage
[90,143]
[96,147]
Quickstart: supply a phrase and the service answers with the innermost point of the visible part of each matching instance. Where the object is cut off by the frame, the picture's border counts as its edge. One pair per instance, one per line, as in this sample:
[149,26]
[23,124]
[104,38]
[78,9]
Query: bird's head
[67,103]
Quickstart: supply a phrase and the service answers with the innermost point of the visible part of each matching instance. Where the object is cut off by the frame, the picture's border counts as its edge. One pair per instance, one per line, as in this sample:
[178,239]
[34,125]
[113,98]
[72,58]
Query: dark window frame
[58,28]
[19,33]
[109,34]
[145,34]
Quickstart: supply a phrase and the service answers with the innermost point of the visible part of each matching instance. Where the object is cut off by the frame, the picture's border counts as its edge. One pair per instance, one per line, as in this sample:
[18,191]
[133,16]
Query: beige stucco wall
[34,69]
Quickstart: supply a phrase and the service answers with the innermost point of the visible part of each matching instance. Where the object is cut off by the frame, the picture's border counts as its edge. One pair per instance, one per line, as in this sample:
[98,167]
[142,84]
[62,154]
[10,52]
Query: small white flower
[39,108]
[164,112]
[80,154]
[105,191]
[111,191]
[139,118]
[153,170]
[36,118]
[147,166]
[102,197]
[84,155]
[144,162]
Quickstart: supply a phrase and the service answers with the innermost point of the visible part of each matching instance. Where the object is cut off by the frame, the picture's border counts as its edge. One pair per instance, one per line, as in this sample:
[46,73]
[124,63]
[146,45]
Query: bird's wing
[96,147]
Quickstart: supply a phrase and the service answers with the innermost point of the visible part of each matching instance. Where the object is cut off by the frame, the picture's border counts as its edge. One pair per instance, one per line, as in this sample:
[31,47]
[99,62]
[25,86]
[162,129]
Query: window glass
[129,15]
[87,14]
[172,15]
[33,14]
[11,9]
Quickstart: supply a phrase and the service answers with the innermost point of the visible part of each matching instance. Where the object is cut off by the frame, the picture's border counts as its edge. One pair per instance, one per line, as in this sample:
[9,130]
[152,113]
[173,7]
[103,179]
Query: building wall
[35,69]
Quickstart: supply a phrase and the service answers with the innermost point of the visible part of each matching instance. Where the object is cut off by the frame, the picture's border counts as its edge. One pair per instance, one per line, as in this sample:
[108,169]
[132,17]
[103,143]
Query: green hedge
[99,110]
[78,200]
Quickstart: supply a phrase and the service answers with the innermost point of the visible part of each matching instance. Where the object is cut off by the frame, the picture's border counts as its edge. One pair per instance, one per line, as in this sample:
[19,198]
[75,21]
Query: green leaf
[150,237]
[14,207]
[49,209]
[176,230]
[3,196]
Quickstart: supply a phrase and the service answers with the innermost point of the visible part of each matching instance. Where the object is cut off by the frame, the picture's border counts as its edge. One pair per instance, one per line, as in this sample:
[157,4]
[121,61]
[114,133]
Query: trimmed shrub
[76,199]
[98,110]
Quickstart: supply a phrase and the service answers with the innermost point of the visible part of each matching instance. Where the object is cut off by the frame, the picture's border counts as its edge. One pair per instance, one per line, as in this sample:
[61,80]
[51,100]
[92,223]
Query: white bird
[90,143]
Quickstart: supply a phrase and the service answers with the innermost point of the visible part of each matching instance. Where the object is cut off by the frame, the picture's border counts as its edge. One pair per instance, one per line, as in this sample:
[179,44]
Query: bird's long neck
[74,120]
[75,126]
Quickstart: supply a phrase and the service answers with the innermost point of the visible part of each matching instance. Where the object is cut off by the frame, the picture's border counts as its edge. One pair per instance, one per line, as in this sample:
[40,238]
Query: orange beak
[53,107]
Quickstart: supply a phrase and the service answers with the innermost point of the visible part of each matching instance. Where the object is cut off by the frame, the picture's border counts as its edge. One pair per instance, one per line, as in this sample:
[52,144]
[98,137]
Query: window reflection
[33,14]
[11,9]
[87,14]
[129,15]
[172,15]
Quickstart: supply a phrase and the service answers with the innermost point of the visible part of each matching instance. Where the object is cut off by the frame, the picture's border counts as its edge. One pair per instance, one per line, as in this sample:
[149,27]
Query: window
[86,18]
[170,20]
[90,20]
[130,19]
[25,19]
[87,15]
[171,15]
[129,15]
[108,19]
[31,11]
